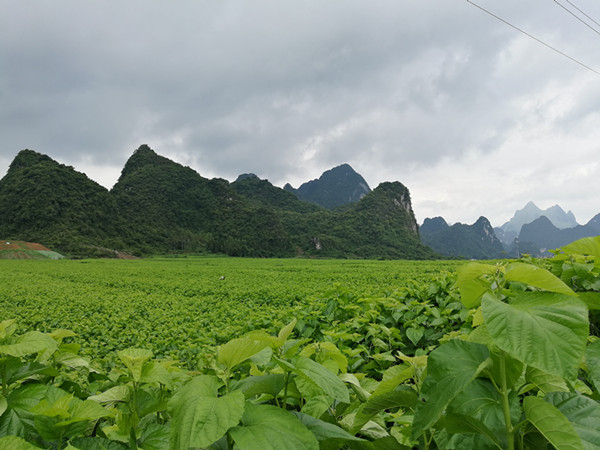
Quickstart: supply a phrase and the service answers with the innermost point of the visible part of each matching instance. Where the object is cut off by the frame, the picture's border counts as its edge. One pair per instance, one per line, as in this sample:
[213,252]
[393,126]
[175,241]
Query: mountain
[541,235]
[263,193]
[159,206]
[477,241]
[44,201]
[530,212]
[171,207]
[338,186]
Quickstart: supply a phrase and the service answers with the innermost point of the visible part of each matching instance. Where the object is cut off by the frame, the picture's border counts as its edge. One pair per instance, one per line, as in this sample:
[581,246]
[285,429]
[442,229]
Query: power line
[577,17]
[533,37]
[582,12]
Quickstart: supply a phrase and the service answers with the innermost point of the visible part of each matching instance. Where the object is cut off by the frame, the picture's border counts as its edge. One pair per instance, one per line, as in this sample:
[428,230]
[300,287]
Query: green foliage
[158,206]
[499,356]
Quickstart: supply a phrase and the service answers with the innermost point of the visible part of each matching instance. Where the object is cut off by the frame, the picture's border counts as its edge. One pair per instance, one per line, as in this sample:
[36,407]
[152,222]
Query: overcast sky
[473,116]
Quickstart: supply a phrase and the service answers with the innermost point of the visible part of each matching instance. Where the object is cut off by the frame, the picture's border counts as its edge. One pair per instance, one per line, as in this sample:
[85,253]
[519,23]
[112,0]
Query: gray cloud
[427,93]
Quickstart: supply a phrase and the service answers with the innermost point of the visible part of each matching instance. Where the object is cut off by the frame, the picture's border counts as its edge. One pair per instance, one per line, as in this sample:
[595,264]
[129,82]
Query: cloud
[438,95]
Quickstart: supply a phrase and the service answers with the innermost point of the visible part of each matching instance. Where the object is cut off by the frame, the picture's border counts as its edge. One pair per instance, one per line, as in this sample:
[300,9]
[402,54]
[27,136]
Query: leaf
[114,394]
[482,401]
[270,384]
[239,350]
[29,343]
[134,359]
[586,246]
[321,377]
[592,358]
[87,410]
[414,334]
[546,330]
[16,443]
[285,332]
[97,443]
[27,396]
[266,427]
[505,367]
[582,412]
[199,416]
[450,368]
[553,424]
[393,376]
[155,436]
[536,276]
[470,286]
[325,430]
[591,299]
[377,403]
[3,404]
[7,328]
[545,382]
[155,373]
[460,423]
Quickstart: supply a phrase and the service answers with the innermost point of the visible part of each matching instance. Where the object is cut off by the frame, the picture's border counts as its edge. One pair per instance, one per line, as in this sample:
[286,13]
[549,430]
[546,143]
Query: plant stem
[287,379]
[510,432]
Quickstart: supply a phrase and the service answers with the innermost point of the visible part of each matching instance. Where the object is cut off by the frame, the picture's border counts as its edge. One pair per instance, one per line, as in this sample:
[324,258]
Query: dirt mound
[26,250]
[20,245]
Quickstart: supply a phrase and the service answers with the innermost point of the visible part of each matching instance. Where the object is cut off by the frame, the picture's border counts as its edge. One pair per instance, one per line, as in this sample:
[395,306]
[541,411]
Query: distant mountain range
[159,206]
[530,231]
[511,229]
[477,241]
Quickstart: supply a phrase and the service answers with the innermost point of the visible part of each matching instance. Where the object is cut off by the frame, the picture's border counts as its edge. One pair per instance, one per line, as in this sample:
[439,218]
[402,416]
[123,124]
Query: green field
[257,354]
[175,306]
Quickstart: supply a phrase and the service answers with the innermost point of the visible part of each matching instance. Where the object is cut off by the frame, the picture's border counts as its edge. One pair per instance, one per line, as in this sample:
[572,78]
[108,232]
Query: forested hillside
[159,206]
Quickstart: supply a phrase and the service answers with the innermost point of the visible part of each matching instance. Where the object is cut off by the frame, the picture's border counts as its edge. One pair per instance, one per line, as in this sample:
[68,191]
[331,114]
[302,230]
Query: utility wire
[582,12]
[577,17]
[533,37]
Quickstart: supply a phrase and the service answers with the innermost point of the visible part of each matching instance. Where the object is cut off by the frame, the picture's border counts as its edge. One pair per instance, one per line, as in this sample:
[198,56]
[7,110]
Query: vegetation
[158,206]
[494,356]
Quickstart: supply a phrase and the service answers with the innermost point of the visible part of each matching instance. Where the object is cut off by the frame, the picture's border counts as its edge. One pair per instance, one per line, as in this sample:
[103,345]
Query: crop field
[178,306]
[258,354]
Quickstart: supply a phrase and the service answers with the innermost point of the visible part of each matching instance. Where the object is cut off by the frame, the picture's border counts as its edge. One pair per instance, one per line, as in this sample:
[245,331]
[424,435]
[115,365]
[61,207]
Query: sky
[475,117]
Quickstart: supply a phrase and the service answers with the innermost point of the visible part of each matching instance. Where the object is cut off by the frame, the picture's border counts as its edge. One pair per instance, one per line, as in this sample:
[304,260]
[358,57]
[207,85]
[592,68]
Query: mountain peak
[335,187]
[28,158]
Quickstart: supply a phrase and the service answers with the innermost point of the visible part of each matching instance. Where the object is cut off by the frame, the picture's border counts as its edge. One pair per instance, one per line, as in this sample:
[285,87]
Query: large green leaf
[542,329]
[134,359]
[545,382]
[239,350]
[582,412]
[325,430]
[592,359]
[393,377]
[591,299]
[200,417]
[266,427]
[320,376]
[450,368]
[470,285]
[389,401]
[462,424]
[481,401]
[13,369]
[16,443]
[552,423]
[29,343]
[536,276]
[270,384]
[585,246]
[97,443]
